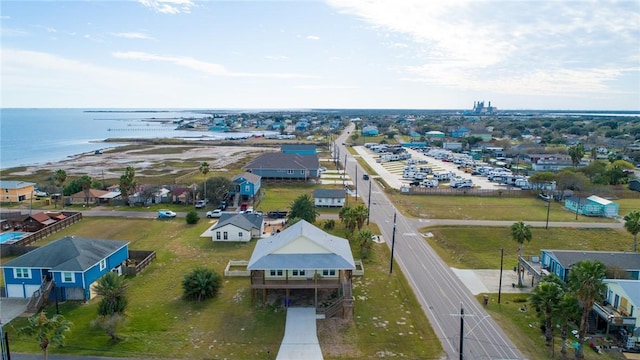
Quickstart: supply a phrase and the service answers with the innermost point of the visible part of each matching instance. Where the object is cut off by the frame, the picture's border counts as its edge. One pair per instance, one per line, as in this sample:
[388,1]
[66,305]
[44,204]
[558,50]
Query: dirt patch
[333,342]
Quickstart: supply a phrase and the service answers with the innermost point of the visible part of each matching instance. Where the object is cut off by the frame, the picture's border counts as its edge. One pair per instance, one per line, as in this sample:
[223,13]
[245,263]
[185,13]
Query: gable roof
[599,200]
[294,147]
[623,260]
[242,221]
[283,250]
[284,161]
[15,184]
[93,193]
[329,193]
[250,177]
[68,254]
[42,218]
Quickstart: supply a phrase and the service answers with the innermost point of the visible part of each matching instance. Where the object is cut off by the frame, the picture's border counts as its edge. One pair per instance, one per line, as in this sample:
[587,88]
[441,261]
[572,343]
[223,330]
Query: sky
[373,54]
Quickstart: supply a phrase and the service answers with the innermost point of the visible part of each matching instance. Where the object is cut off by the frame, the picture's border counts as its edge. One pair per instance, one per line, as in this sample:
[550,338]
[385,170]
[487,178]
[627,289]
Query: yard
[161,324]
[494,208]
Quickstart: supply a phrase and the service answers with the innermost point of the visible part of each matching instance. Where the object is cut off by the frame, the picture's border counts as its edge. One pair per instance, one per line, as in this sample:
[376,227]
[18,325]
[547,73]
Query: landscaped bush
[201,284]
[329,224]
[192,217]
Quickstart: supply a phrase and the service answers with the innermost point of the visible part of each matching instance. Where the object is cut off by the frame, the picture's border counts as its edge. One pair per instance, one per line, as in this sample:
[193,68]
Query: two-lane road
[439,291]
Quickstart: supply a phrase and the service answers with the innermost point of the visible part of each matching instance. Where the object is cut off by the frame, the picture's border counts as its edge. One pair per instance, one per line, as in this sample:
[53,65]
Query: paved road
[439,291]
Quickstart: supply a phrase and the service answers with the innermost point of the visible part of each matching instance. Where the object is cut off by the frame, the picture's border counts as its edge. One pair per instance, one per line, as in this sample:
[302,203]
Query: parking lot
[391,171]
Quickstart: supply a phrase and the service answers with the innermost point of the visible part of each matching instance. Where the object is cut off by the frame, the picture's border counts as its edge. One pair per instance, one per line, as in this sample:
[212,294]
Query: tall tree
[576,153]
[567,312]
[218,189]
[365,240]
[632,225]
[348,218]
[85,181]
[545,298]
[47,330]
[585,281]
[128,183]
[360,213]
[60,176]
[520,232]
[204,170]
[303,208]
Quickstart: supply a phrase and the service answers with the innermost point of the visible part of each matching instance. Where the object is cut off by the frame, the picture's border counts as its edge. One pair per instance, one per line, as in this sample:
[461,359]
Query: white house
[623,298]
[329,197]
[238,227]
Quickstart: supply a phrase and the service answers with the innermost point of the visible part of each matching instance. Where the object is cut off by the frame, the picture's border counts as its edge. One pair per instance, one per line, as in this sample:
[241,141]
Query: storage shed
[592,206]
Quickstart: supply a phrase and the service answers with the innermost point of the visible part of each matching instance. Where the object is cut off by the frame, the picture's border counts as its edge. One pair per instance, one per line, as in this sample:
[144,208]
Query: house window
[22,273]
[275,272]
[301,171]
[289,171]
[225,235]
[103,264]
[67,277]
[240,234]
[328,273]
[297,272]
[217,235]
[247,188]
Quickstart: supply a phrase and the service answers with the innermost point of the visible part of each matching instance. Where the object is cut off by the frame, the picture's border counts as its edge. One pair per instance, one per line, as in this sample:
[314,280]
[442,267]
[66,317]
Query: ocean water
[38,136]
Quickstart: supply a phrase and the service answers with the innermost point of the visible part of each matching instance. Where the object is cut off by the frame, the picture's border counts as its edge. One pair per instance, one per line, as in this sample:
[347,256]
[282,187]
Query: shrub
[192,217]
[329,224]
[201,284]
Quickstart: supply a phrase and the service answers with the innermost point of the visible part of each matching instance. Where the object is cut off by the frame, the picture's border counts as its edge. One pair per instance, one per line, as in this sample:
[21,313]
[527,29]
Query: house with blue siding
[460,132]
[560,262]
[281,166]
[247,185]
[72,263]
[591,206]
[370,131]
[299,149]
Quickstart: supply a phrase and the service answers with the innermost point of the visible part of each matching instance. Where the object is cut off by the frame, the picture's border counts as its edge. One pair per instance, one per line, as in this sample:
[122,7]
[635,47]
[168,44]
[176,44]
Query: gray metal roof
[242,221]
[288,147]
[284,161]
[68,254]
[14,184]
[274,252]
[623,260]
[253,178]
[329,193]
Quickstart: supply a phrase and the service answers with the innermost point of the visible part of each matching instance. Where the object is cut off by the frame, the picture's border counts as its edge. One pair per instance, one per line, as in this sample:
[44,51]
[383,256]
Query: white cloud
[277,57]
[132,35]
[325,87]
[169,6]
[197,65]
[12,32]
[313,37]
[551,47]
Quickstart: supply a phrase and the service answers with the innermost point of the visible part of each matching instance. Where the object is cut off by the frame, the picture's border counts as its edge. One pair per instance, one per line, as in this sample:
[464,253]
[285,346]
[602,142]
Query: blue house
[592,206]
[282,166]
[72,263]
[247,185]
[302,126]
[299,149]
[370,131]
[460,132]
[560,262]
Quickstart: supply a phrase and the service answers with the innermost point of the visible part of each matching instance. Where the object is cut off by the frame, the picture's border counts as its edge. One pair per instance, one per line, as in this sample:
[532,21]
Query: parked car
[544,197]
[200,204]
[166,214]
[214,213]
[322,169]
[365,177]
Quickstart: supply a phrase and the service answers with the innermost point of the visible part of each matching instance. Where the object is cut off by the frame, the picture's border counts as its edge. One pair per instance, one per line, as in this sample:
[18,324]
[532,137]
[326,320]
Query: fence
[141,259]
[237,263]
[71,218]
[414,190]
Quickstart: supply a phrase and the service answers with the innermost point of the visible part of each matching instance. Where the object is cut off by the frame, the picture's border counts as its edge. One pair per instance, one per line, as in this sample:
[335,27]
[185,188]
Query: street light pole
[393,243]
[369,205]
[461,333]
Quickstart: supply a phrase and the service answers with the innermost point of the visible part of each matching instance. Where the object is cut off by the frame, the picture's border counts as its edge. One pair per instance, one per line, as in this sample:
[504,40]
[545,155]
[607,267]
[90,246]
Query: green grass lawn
[494,208]
[161,324]
[469,247]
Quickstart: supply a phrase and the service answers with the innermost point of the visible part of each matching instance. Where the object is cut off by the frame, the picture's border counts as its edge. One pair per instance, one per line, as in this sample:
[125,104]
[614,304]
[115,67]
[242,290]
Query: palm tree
[576,153]
[112,288]
[365,242]
[201,284]
[47,330]
[545,298]
[632,224]
[585,281]
[567,311]
[85,182]
[520,232]
[348,217]
[204,169]
[360,213]
[128,183]
[303,208]
[60,176]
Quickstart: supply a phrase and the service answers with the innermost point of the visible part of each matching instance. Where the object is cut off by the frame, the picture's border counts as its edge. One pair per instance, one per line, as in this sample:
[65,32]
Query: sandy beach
[111,163]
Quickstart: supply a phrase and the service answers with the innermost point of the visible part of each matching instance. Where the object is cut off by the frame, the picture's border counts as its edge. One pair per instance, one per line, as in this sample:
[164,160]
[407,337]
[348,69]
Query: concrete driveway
[300,336]
[11,308]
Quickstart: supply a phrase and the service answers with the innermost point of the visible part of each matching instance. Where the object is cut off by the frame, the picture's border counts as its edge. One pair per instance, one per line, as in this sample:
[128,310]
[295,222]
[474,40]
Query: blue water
[38,136]
[8,236]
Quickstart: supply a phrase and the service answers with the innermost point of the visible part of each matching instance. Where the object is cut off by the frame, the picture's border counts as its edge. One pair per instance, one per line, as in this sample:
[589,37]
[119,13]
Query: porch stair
[592,322]
[39,297]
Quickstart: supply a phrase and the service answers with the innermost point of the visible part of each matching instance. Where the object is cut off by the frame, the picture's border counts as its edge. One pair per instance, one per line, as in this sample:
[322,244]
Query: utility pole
[548,208]
[356,181]
[393,243]
[369,206]
[500,285]
[461,332]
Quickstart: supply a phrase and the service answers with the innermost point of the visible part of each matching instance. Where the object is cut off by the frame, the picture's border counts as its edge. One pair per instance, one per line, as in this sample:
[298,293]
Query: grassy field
[494,208]
[161,324]
[469,247]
